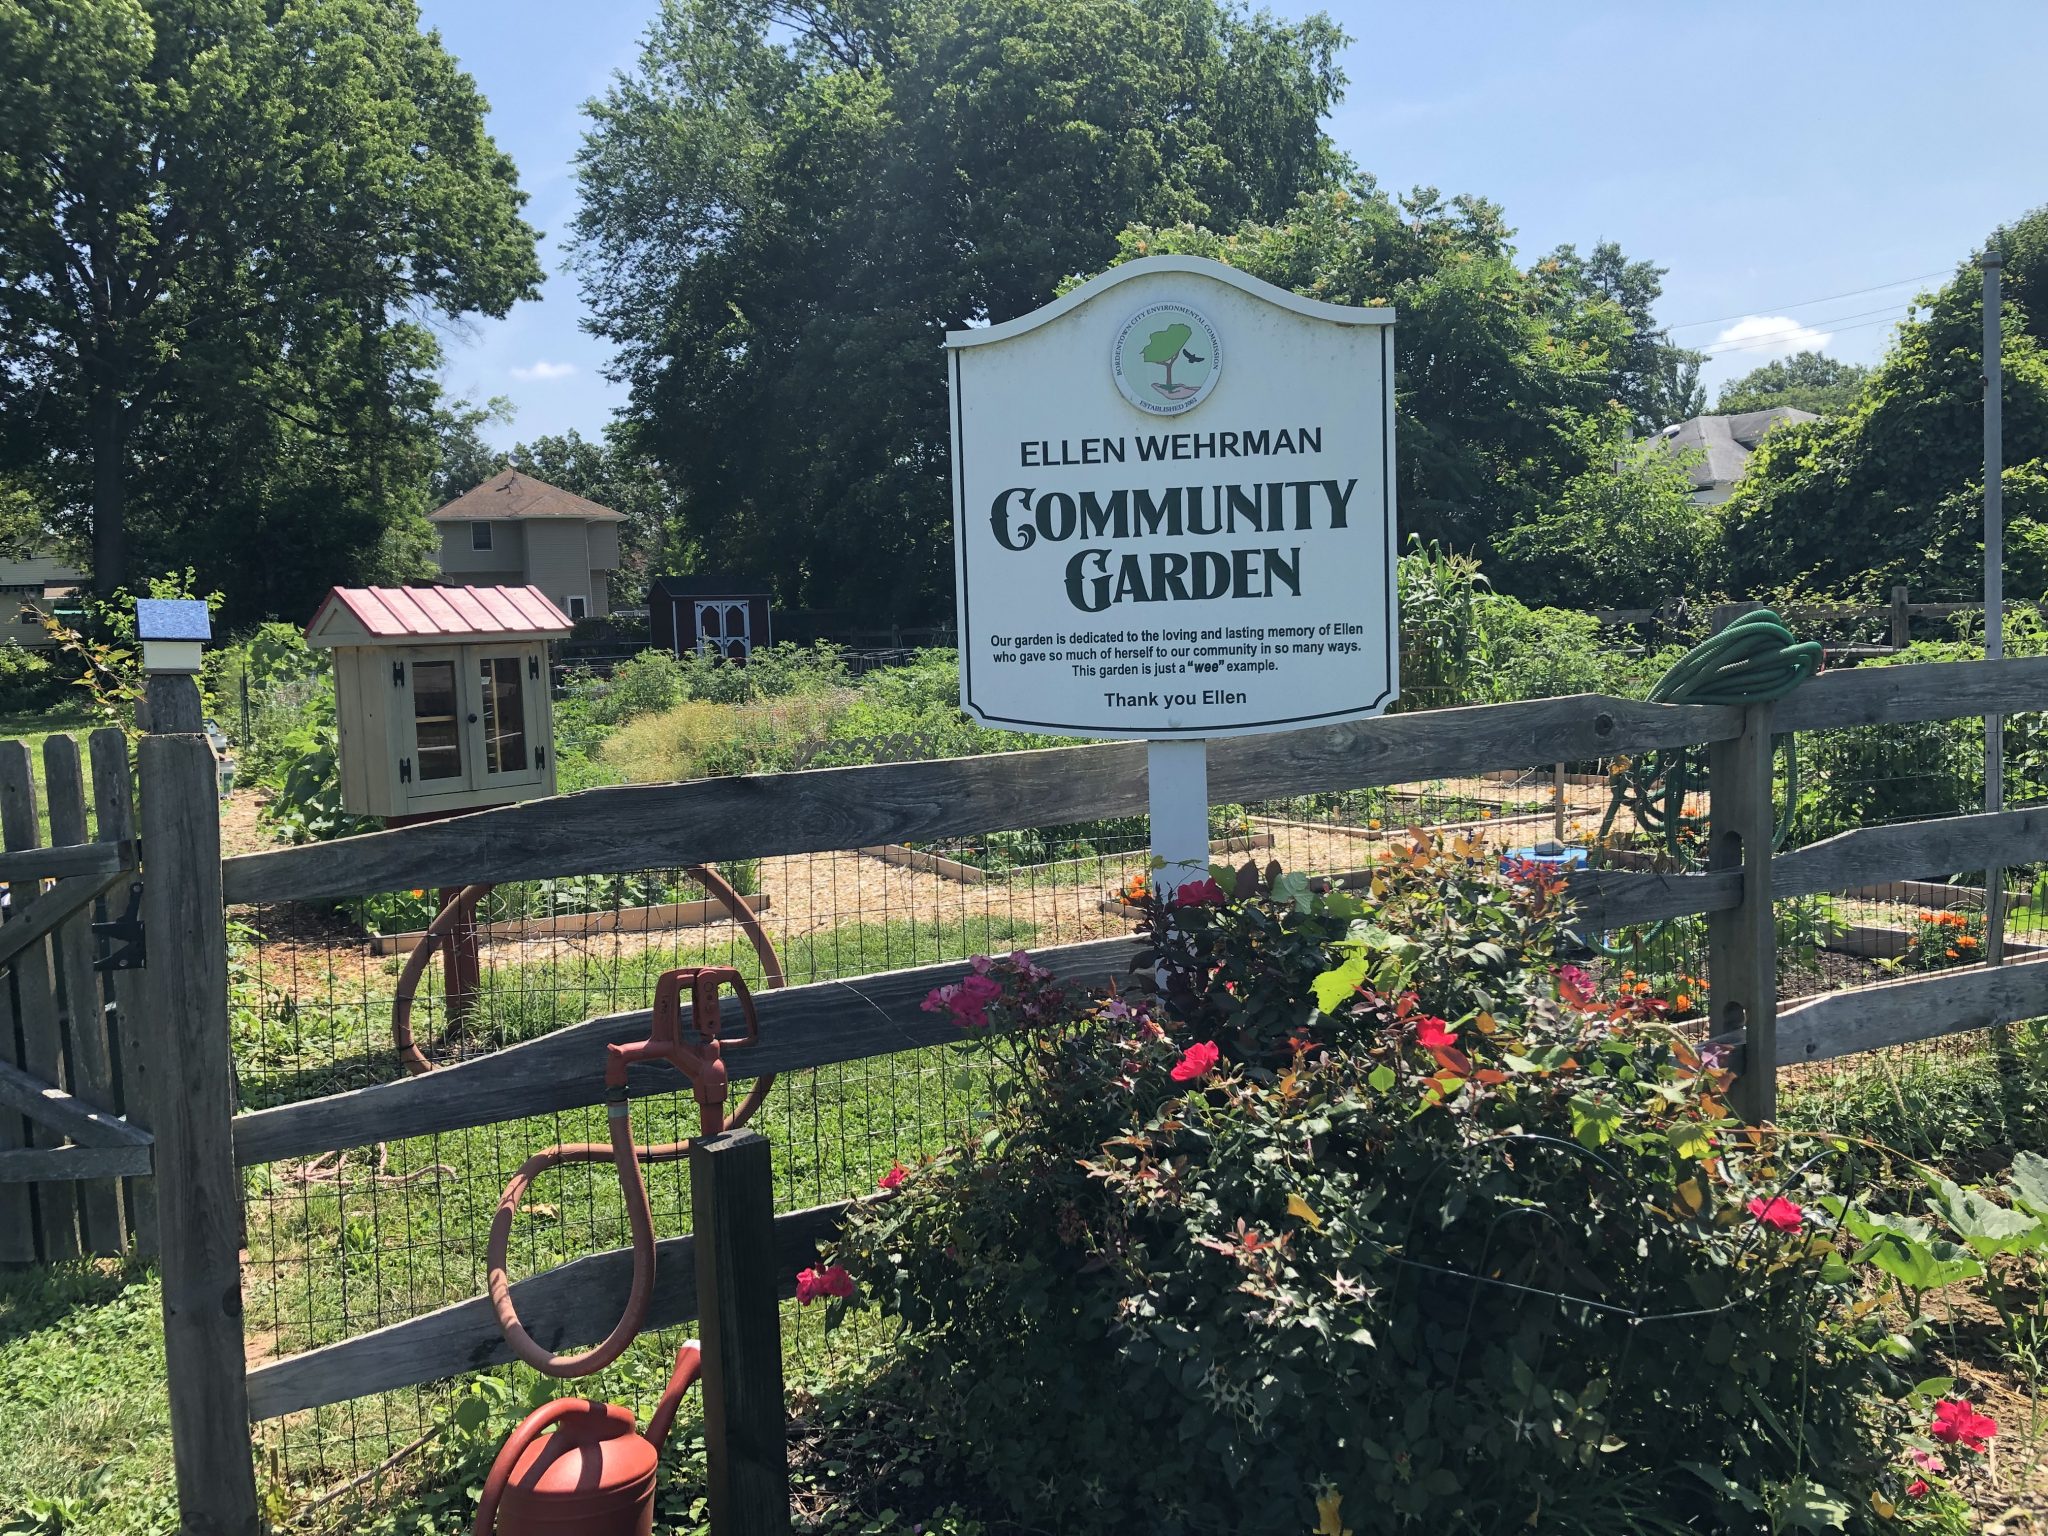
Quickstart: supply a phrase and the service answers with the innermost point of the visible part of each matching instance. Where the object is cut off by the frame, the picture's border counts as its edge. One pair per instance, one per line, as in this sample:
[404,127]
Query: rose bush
[1368,1218]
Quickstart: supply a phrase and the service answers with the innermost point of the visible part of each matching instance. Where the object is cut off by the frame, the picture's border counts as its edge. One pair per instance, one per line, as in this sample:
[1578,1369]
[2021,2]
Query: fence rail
[820,810]
[1896,615]
[634,828]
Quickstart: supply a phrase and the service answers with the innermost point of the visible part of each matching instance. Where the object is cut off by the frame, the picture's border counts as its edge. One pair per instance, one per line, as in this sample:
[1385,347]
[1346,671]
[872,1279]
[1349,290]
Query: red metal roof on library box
[368,615]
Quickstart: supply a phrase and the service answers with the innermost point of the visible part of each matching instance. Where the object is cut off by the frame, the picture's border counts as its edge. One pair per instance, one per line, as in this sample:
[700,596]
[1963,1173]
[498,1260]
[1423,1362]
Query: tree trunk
[109,493]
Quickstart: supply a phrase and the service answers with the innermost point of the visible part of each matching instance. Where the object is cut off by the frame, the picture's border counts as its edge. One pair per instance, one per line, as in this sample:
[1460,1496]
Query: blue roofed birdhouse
[173,631]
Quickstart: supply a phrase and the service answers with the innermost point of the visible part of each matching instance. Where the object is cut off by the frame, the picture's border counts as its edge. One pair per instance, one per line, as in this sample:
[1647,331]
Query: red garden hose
[702,1062]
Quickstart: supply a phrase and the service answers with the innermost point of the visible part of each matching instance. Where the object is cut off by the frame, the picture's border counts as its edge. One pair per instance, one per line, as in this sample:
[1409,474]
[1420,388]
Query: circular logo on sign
[1166,359]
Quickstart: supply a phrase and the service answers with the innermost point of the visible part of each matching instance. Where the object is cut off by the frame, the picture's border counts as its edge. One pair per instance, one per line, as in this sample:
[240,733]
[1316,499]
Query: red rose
[1432,1033]
[892,1178]
[1198,1061]
[1957,1423]
[1917,1489]
[1199,893]
[1777,1213]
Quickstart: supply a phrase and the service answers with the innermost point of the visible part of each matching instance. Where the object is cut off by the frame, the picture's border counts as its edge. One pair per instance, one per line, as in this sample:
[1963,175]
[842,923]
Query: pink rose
[833,1280]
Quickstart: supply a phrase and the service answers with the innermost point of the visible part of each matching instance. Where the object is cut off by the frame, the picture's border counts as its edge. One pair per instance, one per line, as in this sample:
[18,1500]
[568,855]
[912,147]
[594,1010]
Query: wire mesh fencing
[342,1244]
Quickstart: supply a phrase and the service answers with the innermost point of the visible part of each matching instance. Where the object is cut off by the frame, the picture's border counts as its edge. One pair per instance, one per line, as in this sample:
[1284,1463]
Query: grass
[82,1373]
[697,739]
[403,1232]
[36,727]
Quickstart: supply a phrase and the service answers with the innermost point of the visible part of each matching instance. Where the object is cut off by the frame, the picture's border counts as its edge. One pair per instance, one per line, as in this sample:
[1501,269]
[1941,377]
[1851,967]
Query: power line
[1804,303]
[1736,343]
[1766,342]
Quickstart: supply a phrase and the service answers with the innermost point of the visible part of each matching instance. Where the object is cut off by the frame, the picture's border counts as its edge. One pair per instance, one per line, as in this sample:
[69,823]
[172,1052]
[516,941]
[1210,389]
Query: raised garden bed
[674,914]
[973,874]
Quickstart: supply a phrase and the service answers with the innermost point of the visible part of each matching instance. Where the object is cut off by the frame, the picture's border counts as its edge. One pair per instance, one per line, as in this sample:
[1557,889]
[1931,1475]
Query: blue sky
[1800,168]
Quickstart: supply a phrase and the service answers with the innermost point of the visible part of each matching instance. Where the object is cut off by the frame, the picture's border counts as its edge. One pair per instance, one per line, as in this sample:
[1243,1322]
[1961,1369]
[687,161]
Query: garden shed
[441,695]
[711,614]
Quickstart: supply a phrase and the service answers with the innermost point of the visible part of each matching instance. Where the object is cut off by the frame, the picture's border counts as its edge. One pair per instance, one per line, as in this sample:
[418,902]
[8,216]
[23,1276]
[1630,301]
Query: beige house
[31,588]
[516,531]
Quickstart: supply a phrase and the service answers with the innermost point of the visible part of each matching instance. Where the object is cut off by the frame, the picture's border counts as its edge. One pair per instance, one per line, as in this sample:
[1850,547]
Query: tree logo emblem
[1167,358]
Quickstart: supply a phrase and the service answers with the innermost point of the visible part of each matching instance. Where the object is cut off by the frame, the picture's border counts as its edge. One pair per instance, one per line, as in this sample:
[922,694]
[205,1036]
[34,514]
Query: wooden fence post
[1902,619]
[1742,943]
[192,1098]
[746,1437]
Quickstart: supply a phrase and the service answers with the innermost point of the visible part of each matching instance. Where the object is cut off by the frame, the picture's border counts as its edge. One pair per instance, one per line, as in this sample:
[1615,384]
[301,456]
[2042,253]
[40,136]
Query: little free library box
[1174,508]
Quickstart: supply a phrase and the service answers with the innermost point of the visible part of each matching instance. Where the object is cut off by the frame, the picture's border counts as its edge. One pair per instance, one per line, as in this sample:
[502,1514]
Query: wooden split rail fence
[202,1146]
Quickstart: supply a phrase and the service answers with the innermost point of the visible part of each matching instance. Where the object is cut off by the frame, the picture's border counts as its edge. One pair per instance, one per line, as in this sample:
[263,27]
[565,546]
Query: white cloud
[1755,338]
[542,371]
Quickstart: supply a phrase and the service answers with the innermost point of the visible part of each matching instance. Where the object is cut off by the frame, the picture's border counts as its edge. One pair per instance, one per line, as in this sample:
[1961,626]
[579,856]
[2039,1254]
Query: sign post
[1174,519]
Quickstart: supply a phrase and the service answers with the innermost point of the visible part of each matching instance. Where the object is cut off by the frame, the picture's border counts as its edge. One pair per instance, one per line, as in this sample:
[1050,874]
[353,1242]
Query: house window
[479,535]
[579,607]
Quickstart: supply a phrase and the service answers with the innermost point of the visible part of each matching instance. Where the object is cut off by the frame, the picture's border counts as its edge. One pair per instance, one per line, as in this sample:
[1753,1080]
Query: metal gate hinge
[126,930]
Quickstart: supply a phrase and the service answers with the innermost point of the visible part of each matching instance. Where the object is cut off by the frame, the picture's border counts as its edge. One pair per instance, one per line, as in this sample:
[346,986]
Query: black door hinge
[405,770]
[398,674]
[533,666]
[126,930]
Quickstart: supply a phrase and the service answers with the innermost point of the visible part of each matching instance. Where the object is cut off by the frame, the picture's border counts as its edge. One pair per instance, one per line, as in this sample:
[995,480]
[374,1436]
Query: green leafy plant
[1806,925]
[1938,940]
[1368,1219]
[28,680]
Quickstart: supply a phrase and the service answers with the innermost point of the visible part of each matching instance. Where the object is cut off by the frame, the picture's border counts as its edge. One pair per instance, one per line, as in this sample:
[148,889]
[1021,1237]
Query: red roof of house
[410,614]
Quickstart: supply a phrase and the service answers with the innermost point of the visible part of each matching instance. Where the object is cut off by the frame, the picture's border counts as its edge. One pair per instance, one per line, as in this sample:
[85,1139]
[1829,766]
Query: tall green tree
[786,206]
[1493,369]
[1806,381]
[214,212]
[1889,490]
[1656,381]
[1623,533]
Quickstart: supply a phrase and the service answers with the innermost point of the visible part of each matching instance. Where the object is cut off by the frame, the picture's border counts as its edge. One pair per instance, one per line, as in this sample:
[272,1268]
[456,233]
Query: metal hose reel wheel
[471,896]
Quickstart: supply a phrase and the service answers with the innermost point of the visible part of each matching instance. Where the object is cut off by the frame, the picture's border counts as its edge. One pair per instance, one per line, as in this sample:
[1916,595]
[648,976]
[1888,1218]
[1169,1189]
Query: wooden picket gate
[75,1154]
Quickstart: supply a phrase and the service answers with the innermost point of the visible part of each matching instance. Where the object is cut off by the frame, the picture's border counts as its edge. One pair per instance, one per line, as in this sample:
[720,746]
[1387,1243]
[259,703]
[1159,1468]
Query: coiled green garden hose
[1755,660]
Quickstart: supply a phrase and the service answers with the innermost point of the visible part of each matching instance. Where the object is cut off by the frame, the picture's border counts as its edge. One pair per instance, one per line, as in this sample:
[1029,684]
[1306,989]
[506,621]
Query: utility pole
[1994,584]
